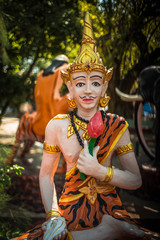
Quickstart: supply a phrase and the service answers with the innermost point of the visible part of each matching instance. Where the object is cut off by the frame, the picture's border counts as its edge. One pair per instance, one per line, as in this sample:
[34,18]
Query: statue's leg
[109,229]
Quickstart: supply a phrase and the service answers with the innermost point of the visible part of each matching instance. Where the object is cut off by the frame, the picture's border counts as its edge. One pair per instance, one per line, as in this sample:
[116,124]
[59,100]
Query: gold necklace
[79,124]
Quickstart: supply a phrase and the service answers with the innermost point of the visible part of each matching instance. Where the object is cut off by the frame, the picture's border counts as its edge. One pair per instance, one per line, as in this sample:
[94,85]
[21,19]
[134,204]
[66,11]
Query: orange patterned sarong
[83,203]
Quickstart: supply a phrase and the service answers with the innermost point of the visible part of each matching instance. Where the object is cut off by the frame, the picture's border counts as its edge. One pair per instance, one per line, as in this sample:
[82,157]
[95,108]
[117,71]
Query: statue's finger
[57,237]
[95,151]
[85,147]
[64,233]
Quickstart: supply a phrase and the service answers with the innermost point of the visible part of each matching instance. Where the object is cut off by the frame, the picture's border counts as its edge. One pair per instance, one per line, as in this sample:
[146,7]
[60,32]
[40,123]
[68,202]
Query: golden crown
[88,58]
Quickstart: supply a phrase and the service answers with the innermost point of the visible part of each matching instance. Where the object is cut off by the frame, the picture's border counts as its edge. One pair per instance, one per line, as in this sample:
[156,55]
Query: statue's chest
[70,146]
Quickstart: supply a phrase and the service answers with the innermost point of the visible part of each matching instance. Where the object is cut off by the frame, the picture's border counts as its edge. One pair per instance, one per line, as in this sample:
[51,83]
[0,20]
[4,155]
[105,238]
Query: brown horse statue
[49,103]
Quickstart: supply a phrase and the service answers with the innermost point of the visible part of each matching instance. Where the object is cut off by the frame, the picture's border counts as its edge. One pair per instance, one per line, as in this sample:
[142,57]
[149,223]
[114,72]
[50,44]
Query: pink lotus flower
[95,125]
[95,129]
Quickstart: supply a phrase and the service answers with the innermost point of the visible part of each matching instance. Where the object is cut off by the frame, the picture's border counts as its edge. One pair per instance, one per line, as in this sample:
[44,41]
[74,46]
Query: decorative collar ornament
[88,58]
[79,124]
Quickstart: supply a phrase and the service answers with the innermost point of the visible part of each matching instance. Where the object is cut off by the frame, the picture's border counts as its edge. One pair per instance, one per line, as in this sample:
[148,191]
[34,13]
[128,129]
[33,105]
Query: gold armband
[124,149]
[50,148]
[109,175]
[52,213]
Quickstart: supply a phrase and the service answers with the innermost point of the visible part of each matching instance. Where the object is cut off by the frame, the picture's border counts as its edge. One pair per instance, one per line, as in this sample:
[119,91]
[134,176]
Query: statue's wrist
[108,175]
[52,213]
[100,172]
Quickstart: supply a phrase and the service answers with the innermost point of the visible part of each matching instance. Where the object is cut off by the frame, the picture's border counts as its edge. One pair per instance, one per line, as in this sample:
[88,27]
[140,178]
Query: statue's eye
[80,84]
[96,84]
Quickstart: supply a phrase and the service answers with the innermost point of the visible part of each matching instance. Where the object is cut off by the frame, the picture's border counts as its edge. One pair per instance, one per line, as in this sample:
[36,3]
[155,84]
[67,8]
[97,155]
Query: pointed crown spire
[88,58]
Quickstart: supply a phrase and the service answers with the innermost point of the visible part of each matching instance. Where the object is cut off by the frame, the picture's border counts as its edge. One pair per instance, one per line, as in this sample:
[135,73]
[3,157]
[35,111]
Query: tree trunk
[32,65]
[4,108]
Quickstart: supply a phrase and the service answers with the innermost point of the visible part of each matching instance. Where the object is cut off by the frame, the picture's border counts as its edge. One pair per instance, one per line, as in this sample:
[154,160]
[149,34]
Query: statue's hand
[54,229]
[87,163]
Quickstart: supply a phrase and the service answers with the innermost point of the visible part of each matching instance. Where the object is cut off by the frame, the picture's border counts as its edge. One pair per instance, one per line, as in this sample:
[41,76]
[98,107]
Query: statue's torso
[70,147]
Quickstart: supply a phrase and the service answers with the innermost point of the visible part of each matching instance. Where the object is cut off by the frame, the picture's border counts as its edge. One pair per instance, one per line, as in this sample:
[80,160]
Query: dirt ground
[147,212]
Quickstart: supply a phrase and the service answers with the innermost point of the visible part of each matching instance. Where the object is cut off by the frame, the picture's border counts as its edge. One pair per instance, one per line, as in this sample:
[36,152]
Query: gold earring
[72,103]
[103,101]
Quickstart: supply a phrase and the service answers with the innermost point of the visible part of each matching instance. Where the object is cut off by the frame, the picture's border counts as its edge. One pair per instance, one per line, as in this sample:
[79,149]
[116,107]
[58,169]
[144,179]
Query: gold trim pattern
[70,236]
[70,172]
[94,188]
[60,116]
[79,125]
[72,198]
[109,175]
[51,148]
[52,213]
[124,149]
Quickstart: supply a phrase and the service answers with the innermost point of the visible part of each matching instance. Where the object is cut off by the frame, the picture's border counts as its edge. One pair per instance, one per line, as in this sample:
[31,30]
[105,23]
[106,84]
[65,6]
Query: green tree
[127,33]
[35,30]
[12,222]
[4,43]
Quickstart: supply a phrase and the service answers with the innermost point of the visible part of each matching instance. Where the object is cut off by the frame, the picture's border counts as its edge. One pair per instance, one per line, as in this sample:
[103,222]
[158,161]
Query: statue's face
[86,89]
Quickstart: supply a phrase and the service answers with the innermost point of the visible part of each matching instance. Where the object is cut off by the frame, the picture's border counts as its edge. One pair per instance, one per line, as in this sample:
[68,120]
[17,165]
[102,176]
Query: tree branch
[31,66]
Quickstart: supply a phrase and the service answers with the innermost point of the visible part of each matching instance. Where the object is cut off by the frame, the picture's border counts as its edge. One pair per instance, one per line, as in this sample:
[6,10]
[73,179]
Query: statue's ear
[105,86]
[69,86]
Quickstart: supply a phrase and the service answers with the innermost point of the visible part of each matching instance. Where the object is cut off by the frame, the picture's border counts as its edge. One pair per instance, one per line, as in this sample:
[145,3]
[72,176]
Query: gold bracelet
[124,149]
[109,175]
[52,213]
[50,148]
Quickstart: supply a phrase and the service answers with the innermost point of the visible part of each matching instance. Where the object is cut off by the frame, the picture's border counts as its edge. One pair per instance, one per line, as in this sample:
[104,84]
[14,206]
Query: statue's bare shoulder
[55,127]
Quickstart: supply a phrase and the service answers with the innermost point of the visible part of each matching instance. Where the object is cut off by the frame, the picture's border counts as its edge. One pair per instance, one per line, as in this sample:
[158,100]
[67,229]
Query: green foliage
[5,174]
[4,43]
[127,35]
[63,90]
[33,30]
[12,223]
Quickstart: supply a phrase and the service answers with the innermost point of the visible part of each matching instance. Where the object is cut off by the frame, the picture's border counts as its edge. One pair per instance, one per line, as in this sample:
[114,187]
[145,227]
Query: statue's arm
[55,226]
[48,168]
[129,176]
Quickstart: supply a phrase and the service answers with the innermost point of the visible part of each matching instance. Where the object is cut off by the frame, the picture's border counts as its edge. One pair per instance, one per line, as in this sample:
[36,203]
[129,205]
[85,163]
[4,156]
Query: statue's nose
[88,87]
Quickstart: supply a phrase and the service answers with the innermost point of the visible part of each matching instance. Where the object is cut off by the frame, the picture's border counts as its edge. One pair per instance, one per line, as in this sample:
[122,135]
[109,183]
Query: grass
[14,219]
